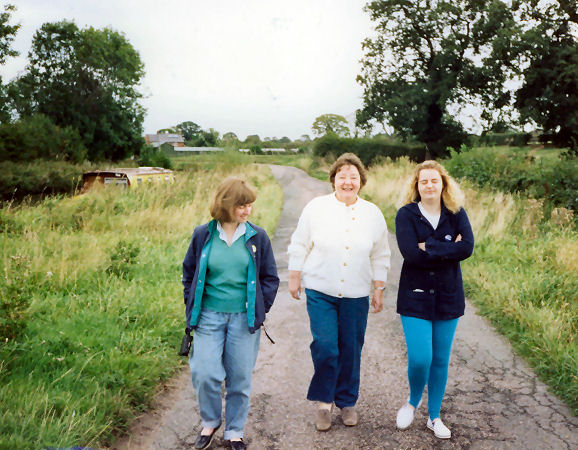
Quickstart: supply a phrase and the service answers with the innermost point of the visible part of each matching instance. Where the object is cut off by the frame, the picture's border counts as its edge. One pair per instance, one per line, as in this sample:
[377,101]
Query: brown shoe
[349,416]
[323,419]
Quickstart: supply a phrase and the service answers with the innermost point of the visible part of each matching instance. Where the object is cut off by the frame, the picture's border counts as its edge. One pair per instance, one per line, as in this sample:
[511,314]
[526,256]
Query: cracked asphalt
[493,399]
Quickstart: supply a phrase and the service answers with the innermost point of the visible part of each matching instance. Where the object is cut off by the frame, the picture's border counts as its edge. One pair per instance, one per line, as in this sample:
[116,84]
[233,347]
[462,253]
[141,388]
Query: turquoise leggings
[429,344]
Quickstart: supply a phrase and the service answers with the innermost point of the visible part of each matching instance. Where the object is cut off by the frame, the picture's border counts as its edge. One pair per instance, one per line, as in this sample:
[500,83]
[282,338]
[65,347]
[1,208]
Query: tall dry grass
[522,275]
[91,301]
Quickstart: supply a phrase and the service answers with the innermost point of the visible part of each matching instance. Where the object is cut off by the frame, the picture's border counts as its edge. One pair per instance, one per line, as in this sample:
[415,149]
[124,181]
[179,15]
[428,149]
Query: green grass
[91,309]
[522,275]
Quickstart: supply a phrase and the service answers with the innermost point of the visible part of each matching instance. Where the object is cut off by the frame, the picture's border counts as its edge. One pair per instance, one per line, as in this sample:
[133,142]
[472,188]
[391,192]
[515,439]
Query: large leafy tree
[429,56]
[330,124]
[7,34]
[86,79]
[549,94]
[190,130]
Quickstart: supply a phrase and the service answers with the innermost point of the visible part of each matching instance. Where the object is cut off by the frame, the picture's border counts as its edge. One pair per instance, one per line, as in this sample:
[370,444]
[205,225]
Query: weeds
[522,275]
[91,303]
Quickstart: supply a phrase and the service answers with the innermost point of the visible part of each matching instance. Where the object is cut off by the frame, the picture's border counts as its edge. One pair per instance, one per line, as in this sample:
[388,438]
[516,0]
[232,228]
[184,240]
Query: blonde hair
[231,193]
[348,159]
[452,195]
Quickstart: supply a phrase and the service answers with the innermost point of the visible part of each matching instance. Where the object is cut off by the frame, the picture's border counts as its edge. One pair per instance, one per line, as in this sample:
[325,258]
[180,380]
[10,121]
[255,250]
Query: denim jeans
[429,344]
[338,328]
[223,349]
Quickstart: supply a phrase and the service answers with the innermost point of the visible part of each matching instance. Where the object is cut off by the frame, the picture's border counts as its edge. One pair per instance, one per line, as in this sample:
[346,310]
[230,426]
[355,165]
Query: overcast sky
[266,67]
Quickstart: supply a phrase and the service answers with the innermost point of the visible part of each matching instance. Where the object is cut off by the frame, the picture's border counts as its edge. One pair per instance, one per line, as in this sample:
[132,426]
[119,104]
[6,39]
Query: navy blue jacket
[430,286]
[262,280]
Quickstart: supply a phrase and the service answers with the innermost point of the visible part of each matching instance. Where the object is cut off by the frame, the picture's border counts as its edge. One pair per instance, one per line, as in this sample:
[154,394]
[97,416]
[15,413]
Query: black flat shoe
[238,445]
[203,442]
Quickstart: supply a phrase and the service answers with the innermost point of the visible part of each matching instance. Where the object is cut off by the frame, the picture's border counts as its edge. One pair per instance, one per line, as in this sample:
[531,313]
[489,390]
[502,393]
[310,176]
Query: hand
[295,284]
[377,301]
[459,238]
[421,245]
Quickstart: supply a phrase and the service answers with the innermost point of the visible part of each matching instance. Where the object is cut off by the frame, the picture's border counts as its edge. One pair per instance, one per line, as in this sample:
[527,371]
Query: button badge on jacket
[254,248]
[448,237]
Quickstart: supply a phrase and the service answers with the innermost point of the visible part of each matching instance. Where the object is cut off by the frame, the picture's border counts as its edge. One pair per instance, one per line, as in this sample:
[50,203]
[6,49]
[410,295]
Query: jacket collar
[414,209]
[249,232]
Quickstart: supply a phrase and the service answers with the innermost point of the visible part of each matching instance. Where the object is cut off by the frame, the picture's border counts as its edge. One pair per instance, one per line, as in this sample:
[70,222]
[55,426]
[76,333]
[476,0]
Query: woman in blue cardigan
[433,234]
[230,282]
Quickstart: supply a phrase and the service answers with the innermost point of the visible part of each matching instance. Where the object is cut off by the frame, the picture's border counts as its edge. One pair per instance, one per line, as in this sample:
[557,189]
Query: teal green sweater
[226,279]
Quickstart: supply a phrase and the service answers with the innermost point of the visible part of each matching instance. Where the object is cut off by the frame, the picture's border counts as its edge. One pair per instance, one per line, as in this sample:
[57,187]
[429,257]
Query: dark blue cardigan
[262,283]
[430,286]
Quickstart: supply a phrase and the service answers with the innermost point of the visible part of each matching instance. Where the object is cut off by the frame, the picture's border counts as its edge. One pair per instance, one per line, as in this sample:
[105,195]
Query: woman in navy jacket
[433,234]
[230,282]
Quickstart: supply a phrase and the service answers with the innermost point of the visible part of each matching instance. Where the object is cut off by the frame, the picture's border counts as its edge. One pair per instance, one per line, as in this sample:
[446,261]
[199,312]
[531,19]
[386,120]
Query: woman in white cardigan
[339,253]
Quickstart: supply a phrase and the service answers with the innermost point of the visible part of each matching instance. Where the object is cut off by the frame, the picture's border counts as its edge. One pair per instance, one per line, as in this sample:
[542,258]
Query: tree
[549,94]
[190,130]
[36,137]
[252,139]
[7,34]
[230,137]
[429,55]
[330,124]
[85,79]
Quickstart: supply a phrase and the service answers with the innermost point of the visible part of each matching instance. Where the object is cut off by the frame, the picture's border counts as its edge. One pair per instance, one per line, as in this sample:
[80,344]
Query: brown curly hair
[348,159]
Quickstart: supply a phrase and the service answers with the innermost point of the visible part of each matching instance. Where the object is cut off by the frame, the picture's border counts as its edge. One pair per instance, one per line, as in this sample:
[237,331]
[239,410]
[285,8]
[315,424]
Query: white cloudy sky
[265,67]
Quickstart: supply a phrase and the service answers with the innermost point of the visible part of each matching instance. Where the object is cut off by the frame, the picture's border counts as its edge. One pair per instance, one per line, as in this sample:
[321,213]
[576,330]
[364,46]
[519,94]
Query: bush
[369,150]
[19,180]
[37,137]
[154,157]
[554,180]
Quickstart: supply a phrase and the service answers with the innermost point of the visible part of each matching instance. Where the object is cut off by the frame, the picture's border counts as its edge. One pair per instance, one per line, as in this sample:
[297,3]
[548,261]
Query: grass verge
[91,303]
[522,276]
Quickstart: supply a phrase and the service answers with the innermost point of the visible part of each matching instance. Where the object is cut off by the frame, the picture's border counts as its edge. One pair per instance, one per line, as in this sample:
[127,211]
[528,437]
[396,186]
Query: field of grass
[522,276]
[91,309]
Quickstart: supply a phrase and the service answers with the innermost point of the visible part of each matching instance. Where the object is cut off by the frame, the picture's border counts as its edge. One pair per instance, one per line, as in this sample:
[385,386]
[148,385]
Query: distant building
[198,149]
[156,140]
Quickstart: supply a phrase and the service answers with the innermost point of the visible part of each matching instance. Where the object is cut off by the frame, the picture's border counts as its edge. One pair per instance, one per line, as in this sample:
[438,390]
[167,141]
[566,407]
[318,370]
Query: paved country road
[493,400]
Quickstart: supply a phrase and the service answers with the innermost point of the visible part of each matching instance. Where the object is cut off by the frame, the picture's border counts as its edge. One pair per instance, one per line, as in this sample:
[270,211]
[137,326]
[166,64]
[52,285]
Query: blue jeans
[429,344]
[338,329]
[223,349]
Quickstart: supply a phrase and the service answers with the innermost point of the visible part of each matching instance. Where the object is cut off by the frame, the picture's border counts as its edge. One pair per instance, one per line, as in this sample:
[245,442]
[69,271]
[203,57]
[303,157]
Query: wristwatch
[380,288]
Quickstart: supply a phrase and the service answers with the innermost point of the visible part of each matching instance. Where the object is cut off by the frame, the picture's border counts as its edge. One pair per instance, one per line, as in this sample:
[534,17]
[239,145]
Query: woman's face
[347,184]
[241,213]
[430,185]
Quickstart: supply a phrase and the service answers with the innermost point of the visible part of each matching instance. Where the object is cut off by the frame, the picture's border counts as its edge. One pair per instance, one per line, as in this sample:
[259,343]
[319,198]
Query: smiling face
[347,184]
[241,213]
[430,186]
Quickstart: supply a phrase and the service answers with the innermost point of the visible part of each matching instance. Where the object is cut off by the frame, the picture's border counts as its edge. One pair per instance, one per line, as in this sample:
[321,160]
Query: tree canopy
[549,94]
[190,130]
[7,34]
[430,55]
[330,124]
[85,79]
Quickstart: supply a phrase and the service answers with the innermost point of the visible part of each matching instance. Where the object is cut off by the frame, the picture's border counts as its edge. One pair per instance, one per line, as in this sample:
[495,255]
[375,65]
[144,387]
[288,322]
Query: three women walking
[338,256]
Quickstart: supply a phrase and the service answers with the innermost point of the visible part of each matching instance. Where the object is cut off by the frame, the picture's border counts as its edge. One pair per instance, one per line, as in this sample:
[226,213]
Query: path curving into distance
[493,399]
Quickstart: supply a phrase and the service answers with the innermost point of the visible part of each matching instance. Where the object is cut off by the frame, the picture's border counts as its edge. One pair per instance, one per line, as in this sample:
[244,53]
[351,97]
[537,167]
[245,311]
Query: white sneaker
[439,429]
[405,415]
